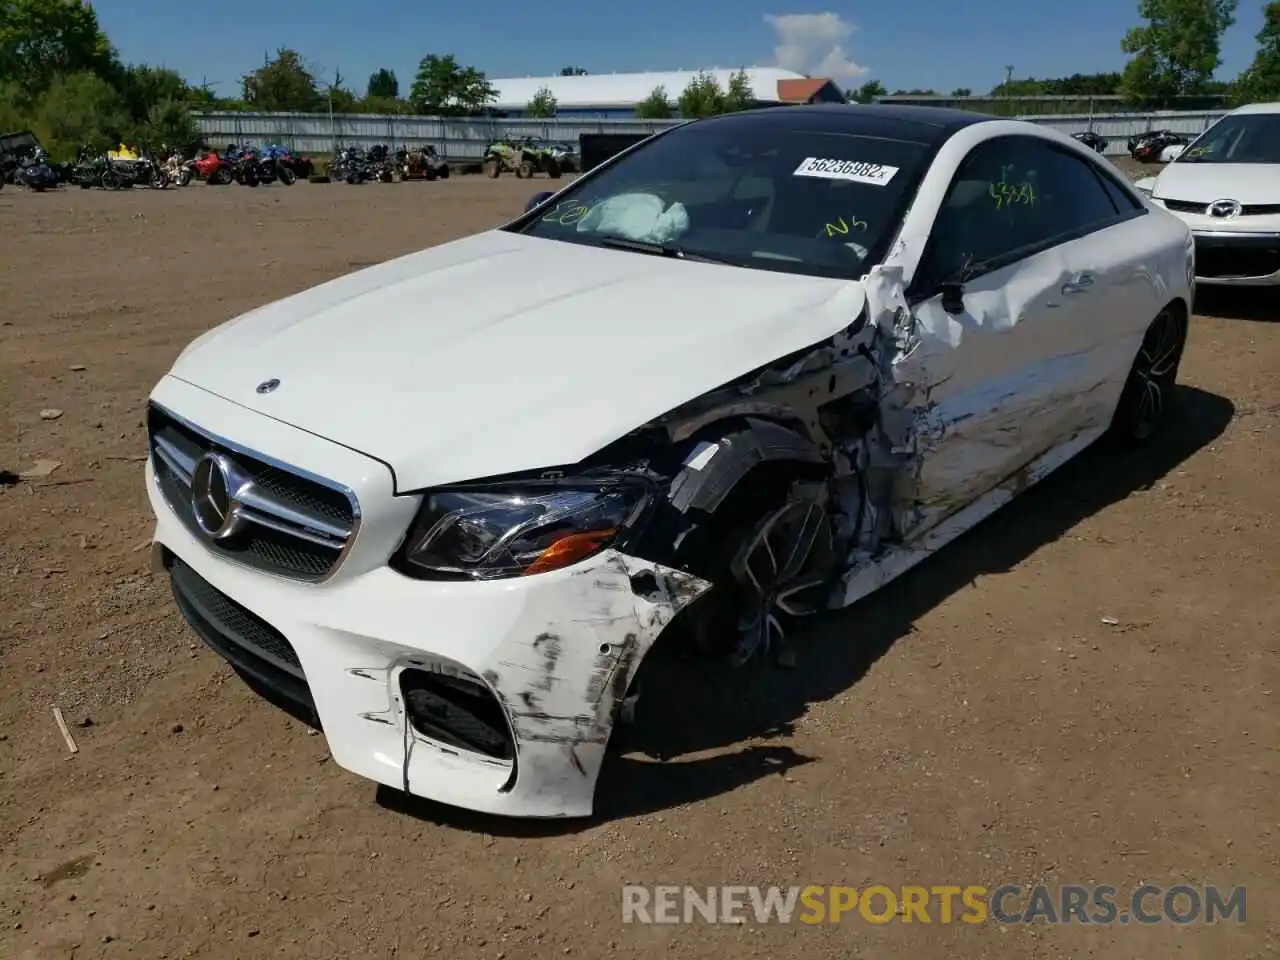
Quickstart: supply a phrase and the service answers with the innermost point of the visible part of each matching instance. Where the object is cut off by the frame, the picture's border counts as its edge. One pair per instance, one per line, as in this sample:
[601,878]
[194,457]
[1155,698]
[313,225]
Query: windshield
[787,200]
[1242,138]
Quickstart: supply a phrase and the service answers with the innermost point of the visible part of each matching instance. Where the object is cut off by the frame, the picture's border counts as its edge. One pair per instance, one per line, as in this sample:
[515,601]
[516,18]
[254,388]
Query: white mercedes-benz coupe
[1226,186]
[749,369]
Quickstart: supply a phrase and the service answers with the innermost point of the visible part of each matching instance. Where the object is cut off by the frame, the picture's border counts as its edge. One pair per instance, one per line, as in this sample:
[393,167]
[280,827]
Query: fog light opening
[457,712]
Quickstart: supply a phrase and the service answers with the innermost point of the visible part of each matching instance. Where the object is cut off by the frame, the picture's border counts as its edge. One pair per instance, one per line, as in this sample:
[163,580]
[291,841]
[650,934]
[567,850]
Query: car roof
[929,126]
[1256,108]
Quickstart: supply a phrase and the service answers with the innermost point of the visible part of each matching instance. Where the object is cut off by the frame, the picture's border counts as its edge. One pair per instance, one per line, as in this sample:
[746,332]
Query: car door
[1001,364]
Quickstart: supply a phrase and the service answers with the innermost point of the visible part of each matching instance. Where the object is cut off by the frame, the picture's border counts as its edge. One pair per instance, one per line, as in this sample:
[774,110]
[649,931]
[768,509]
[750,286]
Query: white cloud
[813,43]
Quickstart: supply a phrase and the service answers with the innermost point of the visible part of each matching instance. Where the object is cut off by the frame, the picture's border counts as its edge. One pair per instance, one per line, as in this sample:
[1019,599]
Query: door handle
[1081,283]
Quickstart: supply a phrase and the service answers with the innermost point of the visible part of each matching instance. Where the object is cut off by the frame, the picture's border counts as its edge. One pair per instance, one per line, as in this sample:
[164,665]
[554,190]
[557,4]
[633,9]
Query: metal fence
[456,139]
[1117,128]
[465,139]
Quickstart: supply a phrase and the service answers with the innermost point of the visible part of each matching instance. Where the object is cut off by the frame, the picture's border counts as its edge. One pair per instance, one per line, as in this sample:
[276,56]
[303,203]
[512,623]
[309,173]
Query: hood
[1246,183]
[501,353]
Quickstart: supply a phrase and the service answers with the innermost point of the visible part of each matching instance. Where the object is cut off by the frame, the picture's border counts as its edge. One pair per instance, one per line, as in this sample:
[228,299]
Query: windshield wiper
[661,250]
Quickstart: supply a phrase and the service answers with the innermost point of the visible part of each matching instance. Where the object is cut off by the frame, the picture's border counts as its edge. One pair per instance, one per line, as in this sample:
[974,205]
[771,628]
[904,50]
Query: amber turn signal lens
[569,550]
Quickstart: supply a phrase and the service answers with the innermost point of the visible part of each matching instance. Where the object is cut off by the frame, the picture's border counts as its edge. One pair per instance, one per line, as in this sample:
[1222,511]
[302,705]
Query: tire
[553,170]
[1150,391]
[492,168]
[715,625]
[525,170]
[110,179]
[428,174]
[443,173]
[288,177]
[184,178]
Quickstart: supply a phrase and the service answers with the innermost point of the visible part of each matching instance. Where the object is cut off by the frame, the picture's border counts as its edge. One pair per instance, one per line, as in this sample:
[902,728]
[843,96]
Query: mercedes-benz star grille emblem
[1224,209]
[215,488]
[266,386]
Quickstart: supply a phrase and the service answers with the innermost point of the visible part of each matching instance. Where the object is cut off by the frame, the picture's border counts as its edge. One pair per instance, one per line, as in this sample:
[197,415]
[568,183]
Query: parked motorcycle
[214,169]
[35,172]
[179,169]
[273,165]
[351,165]
[140,171]
[244,168]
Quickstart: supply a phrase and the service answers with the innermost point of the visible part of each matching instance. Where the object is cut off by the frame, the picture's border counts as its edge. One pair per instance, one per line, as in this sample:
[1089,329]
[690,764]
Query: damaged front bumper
[497,696]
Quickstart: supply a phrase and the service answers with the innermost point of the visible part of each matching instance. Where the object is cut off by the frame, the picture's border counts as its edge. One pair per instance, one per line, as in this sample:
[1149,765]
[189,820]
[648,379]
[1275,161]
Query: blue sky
[940,44]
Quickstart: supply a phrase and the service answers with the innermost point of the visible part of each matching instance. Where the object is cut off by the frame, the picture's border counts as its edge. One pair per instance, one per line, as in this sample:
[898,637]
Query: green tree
[572,72]
[202,98]
[142,87]
[477,92]
[1085,84]
[383,85]
[80,108]
[383,105]
[13,114]
[436,86]
[739,95]
[656,106]
[42,39]
[962,92]
[169,123]
[282,84]
[1176,52]
[868,92]
[1261,81]
[543,104]
[702,97]
[442,87]
[342,100]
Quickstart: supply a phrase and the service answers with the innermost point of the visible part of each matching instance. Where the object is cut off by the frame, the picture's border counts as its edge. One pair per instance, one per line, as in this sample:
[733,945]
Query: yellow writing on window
[1012,194]
[841,227]
[566,213]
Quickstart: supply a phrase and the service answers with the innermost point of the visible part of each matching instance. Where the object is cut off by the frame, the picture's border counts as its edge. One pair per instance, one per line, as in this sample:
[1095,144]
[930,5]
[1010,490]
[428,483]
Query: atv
[421,164]
[524,157]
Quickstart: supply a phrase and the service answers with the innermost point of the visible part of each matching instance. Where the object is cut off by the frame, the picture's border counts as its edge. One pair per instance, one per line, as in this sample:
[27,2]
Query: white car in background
[751,368]
[1226,186]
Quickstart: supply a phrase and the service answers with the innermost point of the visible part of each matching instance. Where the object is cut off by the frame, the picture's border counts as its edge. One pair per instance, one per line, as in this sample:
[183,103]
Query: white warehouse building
[616,95]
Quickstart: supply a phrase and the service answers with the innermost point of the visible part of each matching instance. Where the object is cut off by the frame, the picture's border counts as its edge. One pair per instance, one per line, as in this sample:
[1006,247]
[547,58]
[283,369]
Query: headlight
[488,533]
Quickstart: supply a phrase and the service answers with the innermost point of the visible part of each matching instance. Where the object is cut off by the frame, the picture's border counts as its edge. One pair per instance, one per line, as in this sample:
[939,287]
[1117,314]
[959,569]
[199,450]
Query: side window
[1074,199]
[1013,193]
[1123,202]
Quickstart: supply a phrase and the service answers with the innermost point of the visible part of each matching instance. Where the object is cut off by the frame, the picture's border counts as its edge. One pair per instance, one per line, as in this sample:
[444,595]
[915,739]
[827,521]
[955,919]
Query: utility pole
[333,126]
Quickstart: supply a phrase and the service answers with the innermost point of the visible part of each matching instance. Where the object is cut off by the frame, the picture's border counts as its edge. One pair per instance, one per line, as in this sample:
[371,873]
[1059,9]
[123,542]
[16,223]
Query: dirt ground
[1083,690]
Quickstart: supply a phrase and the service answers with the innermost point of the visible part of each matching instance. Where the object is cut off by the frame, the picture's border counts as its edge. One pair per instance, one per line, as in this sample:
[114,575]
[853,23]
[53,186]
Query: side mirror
[538,199]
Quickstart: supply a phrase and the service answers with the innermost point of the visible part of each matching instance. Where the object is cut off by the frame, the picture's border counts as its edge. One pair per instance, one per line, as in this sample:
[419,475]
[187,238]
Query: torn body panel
[922,420]
[1024,368]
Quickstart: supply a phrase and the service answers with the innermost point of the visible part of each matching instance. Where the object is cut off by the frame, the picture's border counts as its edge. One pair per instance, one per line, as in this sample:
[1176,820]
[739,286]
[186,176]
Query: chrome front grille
[1247,210]
[276,519]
